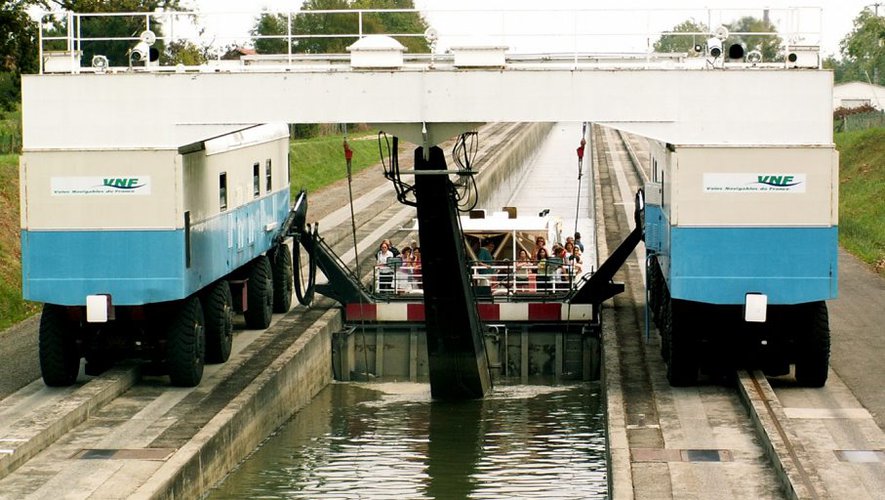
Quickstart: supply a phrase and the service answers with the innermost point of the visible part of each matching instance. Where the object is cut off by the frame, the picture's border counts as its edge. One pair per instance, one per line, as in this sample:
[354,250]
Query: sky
[625,23]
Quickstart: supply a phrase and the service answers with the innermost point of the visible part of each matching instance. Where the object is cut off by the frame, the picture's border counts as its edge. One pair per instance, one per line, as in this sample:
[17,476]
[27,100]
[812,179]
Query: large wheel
[185,344]
[281,267]
[814,351]
[665,326]
[59,354]
[259,294]
[682,362]
[653,276]
[218,314]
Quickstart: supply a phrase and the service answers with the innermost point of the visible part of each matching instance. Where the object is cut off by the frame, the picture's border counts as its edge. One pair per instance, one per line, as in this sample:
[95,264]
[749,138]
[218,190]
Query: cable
[306,297]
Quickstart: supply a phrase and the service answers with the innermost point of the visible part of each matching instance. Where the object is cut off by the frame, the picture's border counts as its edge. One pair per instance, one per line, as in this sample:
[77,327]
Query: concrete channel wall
[499,168]
[288,384]
[292,380]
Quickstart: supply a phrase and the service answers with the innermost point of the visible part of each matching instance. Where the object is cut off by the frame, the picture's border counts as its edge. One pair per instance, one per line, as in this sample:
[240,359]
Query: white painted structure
[856,94]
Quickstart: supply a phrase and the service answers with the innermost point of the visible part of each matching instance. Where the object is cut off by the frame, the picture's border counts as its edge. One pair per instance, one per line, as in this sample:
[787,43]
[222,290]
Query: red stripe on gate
[489,312]
[368,312]
[545,312]
[415,312]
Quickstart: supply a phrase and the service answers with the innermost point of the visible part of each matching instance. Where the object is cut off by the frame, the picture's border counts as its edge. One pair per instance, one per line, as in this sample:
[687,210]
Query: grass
[862,195]
[320,161]
[12,308]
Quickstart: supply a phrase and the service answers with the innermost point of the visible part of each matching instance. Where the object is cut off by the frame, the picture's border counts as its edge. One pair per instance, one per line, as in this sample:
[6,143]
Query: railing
[495,278]
[560,34]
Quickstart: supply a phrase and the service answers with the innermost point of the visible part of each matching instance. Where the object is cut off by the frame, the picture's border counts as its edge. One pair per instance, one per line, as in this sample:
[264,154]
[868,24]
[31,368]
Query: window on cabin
[222,191]
[268,174]
[256,183]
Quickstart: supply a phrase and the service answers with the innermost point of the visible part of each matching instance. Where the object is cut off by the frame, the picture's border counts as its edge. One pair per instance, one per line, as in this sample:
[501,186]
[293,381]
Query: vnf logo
[126,183]
[777,180]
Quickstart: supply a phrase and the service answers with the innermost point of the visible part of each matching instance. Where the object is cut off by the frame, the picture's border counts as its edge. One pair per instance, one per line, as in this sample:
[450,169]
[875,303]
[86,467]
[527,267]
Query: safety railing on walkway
[172,40]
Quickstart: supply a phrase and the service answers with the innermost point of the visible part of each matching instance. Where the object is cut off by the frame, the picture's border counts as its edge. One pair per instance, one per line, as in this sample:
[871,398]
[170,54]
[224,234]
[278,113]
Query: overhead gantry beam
[132,110]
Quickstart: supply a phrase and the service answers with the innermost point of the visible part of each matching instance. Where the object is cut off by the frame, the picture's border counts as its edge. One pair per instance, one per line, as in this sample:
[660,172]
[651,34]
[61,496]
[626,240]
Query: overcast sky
[615,18]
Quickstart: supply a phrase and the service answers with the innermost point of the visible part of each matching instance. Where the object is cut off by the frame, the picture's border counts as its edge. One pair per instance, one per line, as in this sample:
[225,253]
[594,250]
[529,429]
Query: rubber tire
[664,327]
[218,314]
[682,362]
[283,286]
[259,294]
[814,352]
[654,289]
[186,344]
[59,354]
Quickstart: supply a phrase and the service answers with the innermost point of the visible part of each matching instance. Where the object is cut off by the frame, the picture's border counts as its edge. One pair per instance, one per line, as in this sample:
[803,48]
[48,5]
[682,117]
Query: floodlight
[714,47]
[100,63]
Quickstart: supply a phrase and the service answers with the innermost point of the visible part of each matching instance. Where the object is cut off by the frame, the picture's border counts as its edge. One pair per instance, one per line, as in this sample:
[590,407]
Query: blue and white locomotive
[151,251]
[742,249]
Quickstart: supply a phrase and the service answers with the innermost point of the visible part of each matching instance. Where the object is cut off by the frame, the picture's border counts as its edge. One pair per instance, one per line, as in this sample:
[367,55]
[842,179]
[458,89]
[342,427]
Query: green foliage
[682,43]
[117,51]
[18,48]
[185,52]
[270,25]
[321,32]
[319,162]
[861,205]
[768,45]
[10,131]
[864,49]
[12,307]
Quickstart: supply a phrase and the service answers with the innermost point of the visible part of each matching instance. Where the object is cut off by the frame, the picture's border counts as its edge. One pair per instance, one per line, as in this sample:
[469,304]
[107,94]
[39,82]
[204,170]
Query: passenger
[540,242]
[485,258]
[392,248]
[484,264]
[524,267]
[569,250]
[542,277]
[560,271]
[406,268]
[577,263]
[578,244]
[385,273]
[417,280]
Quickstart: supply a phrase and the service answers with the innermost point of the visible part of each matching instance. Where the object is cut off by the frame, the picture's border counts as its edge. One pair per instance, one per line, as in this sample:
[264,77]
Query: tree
[395,22]
[117,51]
[864,48]
[269,25]
[18,48]
[768,45]
[185,52]
[682,43]
[317,31]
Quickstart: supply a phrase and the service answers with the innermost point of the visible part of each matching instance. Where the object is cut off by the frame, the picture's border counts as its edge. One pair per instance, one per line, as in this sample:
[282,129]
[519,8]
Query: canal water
[389,440]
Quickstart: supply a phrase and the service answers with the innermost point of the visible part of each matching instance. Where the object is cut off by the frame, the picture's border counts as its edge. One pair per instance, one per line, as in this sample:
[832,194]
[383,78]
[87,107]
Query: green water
[389,440]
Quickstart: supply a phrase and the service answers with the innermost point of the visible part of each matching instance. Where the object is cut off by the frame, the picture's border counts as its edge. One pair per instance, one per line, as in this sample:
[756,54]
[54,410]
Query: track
[40,425]
[797,442]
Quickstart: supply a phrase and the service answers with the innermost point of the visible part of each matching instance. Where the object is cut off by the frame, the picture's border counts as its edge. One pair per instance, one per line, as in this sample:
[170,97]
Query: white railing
[568,35]
[496,278]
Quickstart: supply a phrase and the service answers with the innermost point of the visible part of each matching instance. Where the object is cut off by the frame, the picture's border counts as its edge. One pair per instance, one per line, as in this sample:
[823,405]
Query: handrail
[573,32]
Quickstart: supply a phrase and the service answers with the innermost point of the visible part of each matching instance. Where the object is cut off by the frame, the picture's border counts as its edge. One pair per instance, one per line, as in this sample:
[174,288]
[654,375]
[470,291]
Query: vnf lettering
[122,183]
[776,180]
